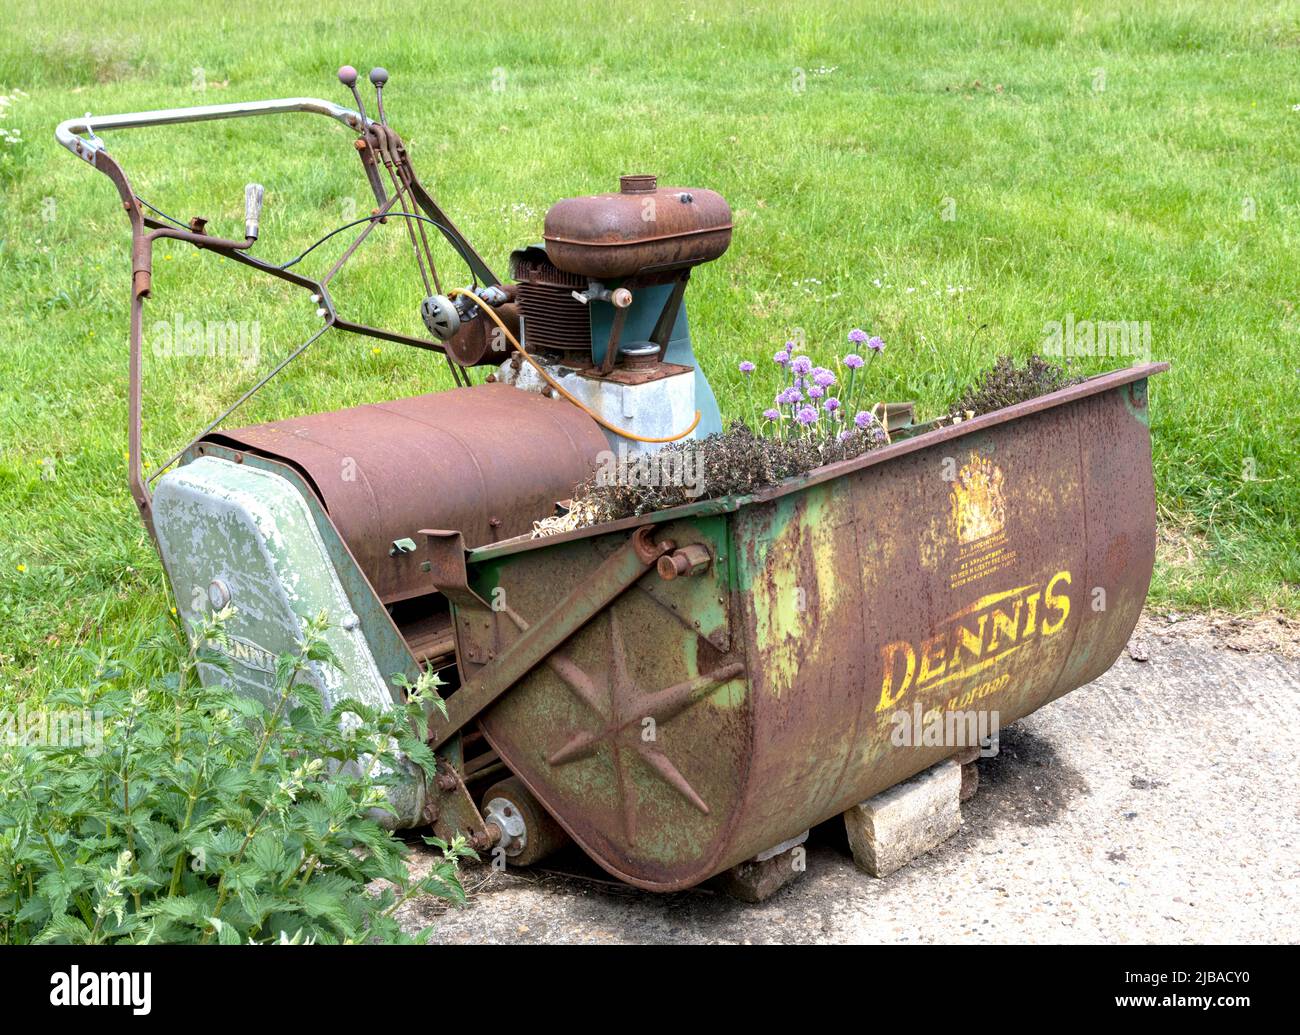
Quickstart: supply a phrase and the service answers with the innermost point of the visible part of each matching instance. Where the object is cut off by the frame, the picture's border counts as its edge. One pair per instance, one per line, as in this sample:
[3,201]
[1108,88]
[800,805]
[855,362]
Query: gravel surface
[1160,803]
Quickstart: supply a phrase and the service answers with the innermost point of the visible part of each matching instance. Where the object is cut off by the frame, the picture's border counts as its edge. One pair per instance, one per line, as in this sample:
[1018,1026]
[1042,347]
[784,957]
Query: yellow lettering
[970,640]
[1004,625]
[932,663]
[1031,619]
[1057,601]
[887,658]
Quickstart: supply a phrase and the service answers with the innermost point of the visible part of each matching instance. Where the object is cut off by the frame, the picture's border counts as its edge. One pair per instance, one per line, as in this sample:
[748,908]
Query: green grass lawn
[951,176]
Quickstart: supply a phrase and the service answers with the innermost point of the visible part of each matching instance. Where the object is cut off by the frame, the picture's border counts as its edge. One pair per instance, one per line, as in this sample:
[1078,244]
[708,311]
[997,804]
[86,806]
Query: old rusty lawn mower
[682,692]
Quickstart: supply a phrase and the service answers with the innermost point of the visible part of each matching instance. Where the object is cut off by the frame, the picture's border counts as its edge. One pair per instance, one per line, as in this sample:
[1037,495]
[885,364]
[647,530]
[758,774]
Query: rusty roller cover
[487,460]
[641,229]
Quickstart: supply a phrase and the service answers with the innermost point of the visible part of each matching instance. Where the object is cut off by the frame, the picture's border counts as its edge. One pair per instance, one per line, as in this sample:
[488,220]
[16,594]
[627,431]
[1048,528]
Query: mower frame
[381,150]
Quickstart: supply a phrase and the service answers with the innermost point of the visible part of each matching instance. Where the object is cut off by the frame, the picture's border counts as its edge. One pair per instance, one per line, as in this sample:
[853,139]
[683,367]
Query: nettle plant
[820,403]
[207,816]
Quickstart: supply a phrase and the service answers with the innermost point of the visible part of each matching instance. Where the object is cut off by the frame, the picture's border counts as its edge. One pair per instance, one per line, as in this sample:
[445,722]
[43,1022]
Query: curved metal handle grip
[252,209]
[69,131]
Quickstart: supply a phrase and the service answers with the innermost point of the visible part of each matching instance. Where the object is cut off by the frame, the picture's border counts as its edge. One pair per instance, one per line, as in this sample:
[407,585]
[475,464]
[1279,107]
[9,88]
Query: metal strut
[536,642]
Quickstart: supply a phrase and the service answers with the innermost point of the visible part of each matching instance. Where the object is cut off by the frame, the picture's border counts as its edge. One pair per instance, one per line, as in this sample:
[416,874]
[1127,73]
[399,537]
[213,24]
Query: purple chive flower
[781,357]
[863,419]
[823,377]
[831,405]
[806,416]
[846,434]
[816,392]
[857,336]
[853,361]
[876,344]
[789,396]
[746,367]
[802,366]
[772,414]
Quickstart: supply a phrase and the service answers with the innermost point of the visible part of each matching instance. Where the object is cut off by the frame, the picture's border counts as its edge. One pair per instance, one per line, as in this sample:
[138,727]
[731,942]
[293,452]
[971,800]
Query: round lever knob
[379,76]
[348,75]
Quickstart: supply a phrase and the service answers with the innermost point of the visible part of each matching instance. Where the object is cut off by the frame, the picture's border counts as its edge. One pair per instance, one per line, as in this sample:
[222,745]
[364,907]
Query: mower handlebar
[68,133]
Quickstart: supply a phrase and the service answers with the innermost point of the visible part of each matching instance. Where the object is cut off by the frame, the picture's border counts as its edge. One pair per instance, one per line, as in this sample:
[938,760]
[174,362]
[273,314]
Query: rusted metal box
[696,721]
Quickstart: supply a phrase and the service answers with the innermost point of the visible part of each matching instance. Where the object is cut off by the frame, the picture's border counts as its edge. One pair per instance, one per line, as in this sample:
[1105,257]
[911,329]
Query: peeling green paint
[1135,400]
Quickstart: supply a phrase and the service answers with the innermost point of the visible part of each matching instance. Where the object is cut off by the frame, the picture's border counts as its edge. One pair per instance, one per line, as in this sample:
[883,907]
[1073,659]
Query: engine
[598,308]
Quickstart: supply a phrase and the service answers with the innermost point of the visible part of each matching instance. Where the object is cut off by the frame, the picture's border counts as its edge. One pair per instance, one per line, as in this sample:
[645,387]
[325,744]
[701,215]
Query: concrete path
[1159,803]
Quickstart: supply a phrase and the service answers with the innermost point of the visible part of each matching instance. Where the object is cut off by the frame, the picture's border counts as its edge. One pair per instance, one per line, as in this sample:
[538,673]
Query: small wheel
[528,833]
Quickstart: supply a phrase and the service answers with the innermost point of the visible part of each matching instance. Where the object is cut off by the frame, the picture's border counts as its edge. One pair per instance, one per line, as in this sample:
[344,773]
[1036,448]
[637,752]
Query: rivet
[218,594]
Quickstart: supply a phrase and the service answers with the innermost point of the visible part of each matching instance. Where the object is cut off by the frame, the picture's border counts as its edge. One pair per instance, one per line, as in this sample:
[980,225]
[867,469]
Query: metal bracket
[446,567]
[588,598]
[452,810]
[663,330]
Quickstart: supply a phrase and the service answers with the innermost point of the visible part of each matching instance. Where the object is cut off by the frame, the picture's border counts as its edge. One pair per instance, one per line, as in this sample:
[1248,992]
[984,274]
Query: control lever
[348,77]
[252,209]
[378,77]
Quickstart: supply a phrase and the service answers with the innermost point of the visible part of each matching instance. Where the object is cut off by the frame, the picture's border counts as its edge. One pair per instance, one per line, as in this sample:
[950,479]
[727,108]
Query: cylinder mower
[677,692]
